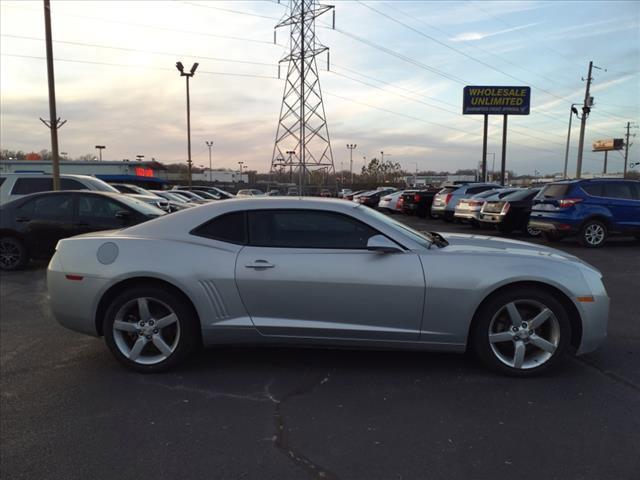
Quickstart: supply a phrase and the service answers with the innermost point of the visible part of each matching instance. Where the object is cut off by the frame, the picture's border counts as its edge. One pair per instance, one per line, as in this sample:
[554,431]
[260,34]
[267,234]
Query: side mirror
[380,243]
[123,215]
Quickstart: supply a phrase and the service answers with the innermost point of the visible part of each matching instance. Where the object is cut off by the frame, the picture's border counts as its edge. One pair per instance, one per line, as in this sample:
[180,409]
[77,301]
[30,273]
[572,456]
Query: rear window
[446,190]
[484,188]
[25,186]
[520,195]
[555,191]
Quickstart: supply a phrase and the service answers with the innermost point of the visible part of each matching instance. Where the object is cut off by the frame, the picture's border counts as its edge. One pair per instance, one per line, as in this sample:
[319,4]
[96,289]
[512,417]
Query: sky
[397,71]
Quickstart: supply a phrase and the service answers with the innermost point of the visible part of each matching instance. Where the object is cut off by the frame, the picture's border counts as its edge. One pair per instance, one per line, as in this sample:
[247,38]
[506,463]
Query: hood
[459,243]
[147,198]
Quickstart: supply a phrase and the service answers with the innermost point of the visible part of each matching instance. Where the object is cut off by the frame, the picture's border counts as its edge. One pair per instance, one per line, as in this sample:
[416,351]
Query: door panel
[332,293]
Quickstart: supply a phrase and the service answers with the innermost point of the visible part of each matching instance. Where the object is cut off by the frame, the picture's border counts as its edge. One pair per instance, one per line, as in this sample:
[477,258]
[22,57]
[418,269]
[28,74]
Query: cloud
[474,36]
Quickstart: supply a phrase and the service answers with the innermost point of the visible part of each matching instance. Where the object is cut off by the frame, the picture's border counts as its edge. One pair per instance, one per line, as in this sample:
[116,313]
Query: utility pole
[627,145]
[188,75]
[586,108]
[566,151]
[351,147]
[54,122]
[100,148]
[209,144]
[240,163]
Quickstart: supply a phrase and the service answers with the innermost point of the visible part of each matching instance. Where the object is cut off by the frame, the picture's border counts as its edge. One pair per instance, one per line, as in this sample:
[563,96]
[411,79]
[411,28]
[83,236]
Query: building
[150,174]
[422,180]
[213,176]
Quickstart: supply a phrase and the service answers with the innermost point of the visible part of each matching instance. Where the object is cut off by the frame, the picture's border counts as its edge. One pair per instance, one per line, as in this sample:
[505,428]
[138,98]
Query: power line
[125,49]
[228,10]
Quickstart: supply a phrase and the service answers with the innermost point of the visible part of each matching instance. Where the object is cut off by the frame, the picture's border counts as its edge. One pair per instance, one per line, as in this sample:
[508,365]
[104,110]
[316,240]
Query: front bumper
[594,315]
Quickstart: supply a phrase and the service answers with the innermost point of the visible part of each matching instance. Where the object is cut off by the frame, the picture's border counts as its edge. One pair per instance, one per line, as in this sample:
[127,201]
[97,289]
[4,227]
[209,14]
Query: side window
[474,190]
[618,190]
[71,184]
[593,189]
[49,206]
[25,186]
[231,227]
[93,206]
[307,229]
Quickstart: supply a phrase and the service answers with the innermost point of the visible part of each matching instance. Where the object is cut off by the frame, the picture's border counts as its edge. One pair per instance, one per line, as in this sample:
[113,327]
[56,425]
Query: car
[418,202]
[217,193]
[326,193]
[391,202]
[191,196]
[343,192]
[17,185]
[350,196]
[31,226]
[591,209]
[143,194]
[445,201]
[322,272]
[371,199]
[176,202]
[511,212]
[251,192]
[468,209]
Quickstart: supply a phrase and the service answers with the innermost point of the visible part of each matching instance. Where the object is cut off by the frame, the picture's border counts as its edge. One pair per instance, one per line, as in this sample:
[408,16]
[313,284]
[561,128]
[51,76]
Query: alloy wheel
[146,330]
[533,232]
[10,255]
[594,234]
[524,334]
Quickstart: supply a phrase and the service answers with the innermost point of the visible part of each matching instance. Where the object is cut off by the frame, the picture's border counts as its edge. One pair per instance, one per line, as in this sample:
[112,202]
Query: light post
[566,151]
[138,157]
[493,166]
[209,144]
[240,163]
[188,75]
[351,147]
[100,148]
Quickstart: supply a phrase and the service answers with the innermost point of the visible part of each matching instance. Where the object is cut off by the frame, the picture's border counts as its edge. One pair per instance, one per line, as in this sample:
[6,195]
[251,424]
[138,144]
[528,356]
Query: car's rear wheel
[13,254]
[593,234]
[532,232]
[150,329]
[521,332]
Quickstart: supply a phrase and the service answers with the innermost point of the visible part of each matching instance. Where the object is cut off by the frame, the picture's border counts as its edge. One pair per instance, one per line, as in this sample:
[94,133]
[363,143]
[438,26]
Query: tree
[382,170]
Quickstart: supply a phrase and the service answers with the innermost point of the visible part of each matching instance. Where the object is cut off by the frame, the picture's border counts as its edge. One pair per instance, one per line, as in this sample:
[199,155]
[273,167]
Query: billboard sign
[478,100]
[608,144]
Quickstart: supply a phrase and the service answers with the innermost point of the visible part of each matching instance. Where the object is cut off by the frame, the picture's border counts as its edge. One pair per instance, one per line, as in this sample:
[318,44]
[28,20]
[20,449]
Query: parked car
[511,212]
[350,196]
[418,202]
[326,193]
[468,209]
[356,196]
[215,274]
[176,202]
[31,226]
[342,193]
[217,193]
[391,203]
[591,209]
[371,199]
[143,194]
[252,192]
[191,196]
[445,201]
[17,185]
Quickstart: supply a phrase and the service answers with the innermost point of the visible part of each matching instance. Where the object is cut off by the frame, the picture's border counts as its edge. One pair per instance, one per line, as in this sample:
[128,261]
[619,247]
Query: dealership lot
[70,411]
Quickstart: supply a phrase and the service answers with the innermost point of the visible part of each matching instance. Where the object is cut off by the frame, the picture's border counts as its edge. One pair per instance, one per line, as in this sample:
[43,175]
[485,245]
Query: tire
[541,350]
[13,254]
[123,330]
[531,232]
[593,234]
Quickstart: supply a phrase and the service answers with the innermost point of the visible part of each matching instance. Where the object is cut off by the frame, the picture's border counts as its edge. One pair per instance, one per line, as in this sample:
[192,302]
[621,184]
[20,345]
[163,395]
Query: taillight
[569,202]
[447,199]
[416,197]
[474,203]
[506,207]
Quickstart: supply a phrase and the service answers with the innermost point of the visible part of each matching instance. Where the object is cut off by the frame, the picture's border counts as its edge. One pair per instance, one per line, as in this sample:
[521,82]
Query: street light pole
[566,151]
[351,147]
[100,148]
[209,144]
[188,75]
[240,163]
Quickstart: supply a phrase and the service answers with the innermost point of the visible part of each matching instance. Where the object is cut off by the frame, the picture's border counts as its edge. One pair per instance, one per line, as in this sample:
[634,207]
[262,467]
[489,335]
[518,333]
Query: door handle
[260,264]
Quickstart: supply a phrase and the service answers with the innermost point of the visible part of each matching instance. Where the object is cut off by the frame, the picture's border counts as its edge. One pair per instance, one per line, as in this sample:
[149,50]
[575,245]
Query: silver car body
[390,201]
[469,208]
[422,297]
[445,201]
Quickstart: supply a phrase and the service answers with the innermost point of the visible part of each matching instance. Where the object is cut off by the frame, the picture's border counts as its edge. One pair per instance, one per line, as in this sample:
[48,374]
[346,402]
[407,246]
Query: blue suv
[592,209]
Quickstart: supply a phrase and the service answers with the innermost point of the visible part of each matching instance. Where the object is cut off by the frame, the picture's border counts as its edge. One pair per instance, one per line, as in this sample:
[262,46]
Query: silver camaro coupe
[322,272]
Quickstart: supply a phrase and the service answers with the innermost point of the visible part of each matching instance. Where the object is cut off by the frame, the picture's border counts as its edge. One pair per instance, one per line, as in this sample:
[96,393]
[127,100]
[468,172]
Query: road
[69,411]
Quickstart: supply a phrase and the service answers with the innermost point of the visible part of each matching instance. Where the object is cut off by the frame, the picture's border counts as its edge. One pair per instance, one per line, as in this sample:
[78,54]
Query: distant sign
[608,144]
[496,100]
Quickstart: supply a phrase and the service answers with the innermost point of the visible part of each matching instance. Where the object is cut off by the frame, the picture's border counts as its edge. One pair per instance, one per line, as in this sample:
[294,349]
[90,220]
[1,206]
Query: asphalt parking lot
[68,410]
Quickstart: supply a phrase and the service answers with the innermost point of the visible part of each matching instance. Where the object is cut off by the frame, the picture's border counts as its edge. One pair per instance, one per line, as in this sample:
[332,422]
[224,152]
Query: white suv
[16,185]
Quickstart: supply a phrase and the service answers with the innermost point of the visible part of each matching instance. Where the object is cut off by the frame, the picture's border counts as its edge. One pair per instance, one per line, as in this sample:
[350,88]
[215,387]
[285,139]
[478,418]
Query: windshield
[425,239]
[140,206]
[101,186]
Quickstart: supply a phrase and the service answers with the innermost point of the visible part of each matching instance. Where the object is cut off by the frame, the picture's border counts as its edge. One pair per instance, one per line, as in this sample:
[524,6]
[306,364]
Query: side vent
[215,299]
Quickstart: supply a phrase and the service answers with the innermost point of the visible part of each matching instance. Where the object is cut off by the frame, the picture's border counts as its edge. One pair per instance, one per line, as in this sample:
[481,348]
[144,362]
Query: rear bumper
[549,226]
[491,217]
[467,214]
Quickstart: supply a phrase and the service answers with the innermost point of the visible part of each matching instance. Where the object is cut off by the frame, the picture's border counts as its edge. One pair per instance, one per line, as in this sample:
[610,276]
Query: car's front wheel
[532,232]
[521,332]
[13,253]
[593,234]
[150,329]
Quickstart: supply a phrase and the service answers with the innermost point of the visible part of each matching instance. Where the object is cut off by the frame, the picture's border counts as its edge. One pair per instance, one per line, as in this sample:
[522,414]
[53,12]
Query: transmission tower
[302,139]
